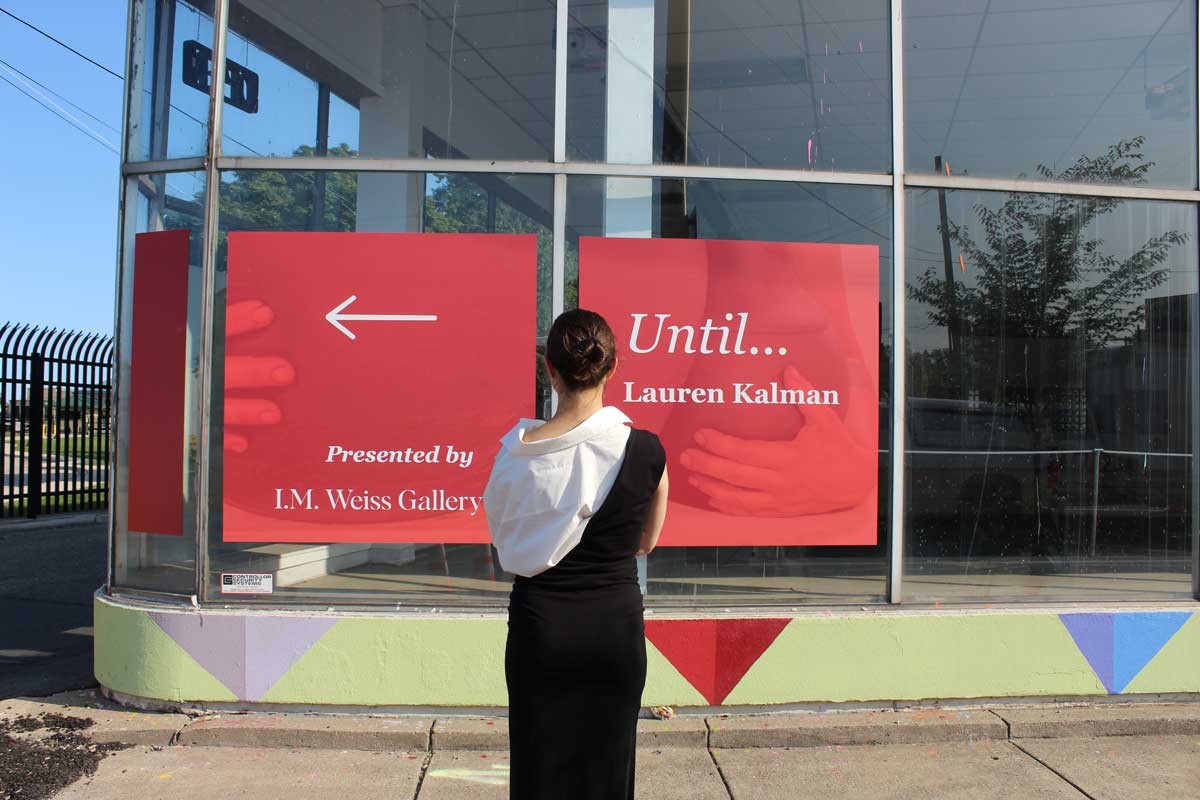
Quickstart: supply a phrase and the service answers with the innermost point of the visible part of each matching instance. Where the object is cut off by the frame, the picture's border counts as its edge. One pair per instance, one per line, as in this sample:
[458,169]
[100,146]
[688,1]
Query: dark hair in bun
[581,348]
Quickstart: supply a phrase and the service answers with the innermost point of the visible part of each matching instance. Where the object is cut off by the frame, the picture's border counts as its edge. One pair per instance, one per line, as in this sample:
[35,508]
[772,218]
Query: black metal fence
[55,397]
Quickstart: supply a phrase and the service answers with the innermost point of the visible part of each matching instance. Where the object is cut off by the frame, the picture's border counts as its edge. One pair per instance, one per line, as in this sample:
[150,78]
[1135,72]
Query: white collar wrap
[541,494]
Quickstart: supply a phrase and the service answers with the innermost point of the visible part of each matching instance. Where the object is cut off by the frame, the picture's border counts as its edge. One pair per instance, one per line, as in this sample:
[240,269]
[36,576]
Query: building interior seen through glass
[769,83]
[1049,339]
[1032,88]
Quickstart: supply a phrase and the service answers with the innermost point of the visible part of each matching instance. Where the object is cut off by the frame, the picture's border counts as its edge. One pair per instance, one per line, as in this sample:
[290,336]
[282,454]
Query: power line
[43,86]
[62,113]
[61,43]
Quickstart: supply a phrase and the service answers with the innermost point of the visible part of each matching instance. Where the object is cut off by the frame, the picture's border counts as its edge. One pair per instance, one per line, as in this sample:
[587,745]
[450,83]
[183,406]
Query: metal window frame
[900,180]
[1195,361]
[899,392]
[208,280]
[118,292]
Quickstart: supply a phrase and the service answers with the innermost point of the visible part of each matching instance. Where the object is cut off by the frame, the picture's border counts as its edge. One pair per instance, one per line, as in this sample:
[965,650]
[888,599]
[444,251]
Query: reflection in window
[773,83]
[1050,374]
[445,78]
[168,117]
[992,89]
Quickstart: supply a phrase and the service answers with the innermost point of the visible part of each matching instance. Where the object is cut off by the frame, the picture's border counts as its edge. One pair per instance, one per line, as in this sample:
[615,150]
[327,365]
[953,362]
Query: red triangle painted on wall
[713,654]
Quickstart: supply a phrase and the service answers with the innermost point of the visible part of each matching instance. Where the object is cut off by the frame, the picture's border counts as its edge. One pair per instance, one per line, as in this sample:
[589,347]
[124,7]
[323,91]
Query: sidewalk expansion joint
[1007,724]
[713,757]
[1061,776]
[428,760]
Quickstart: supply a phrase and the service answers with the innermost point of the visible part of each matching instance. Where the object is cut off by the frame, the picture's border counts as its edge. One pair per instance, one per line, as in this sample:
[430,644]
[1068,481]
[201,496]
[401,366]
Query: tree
[1044,287]
[277,200]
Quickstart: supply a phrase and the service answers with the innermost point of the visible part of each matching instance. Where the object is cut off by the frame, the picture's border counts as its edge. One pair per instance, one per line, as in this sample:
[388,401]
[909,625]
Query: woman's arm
[654,519]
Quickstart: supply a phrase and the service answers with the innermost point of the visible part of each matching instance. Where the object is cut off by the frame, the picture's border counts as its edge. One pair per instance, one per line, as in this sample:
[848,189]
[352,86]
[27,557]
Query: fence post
[37,400]
[1096,452]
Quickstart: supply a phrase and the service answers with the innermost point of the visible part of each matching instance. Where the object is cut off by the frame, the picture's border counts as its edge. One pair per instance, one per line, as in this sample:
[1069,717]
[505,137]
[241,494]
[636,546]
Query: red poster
[157,382]
[757,363]
[368,379]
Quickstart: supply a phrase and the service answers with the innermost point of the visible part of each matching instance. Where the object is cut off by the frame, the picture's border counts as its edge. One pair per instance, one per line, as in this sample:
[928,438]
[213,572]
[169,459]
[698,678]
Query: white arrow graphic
[336,317]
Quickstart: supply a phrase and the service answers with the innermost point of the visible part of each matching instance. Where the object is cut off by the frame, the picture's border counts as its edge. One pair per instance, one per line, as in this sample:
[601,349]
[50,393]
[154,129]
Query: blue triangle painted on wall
[1118,646]
[1139,636]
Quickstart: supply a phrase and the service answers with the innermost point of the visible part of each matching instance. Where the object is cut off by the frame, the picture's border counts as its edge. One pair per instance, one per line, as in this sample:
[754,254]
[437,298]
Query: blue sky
[58,213]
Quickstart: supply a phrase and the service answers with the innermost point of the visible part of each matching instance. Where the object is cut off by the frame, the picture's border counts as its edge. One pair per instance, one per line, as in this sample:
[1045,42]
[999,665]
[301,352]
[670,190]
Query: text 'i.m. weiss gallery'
[908,290]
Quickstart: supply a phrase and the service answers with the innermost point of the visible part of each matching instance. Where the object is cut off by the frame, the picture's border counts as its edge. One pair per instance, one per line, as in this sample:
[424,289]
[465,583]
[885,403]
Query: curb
[1107,720]
[826,729]
[406,734]
[53,521]
[855,728]
[714,732]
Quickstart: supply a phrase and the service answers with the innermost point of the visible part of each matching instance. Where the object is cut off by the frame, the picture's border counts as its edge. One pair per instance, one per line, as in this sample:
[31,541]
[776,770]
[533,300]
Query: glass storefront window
[993,89]
[801,85]
[442,78]
[153,551]
[341,573]
[751,212]
[167,80]
[1050,339]
[1051,369]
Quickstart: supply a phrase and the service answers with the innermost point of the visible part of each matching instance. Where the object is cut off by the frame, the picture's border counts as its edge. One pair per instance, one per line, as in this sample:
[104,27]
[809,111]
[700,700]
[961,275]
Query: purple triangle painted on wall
[274,645]
[216,641]
[248,655]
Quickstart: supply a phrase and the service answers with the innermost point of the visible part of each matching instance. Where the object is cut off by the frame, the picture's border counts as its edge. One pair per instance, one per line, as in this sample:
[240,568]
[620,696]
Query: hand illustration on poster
[757,363]
[368,378]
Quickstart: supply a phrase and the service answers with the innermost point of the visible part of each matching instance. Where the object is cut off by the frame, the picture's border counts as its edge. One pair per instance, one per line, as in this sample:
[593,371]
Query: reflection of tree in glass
[276,200]
[271,200]
[1040,289]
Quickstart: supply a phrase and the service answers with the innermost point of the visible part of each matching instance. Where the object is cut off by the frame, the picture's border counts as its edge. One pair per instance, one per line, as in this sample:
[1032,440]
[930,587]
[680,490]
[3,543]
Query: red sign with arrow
[368,379]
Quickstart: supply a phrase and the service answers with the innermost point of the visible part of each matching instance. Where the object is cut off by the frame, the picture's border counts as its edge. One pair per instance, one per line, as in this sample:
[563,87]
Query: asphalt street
[47,577]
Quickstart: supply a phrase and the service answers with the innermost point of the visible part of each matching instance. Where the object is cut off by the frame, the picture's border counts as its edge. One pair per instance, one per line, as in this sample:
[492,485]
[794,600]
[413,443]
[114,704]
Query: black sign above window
[241,84]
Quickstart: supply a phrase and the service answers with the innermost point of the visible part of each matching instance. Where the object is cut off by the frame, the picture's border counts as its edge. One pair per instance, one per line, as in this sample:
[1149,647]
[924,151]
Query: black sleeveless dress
[575,662]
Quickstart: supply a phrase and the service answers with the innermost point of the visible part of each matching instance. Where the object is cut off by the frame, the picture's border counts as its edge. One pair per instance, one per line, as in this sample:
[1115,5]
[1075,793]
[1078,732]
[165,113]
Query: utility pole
[952,322]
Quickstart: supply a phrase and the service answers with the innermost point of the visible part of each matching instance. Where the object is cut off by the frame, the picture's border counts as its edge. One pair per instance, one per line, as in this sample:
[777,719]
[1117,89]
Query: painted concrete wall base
[277,658]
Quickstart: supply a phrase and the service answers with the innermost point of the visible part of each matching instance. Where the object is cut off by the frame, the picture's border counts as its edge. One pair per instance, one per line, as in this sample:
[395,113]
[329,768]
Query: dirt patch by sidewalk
[41,755]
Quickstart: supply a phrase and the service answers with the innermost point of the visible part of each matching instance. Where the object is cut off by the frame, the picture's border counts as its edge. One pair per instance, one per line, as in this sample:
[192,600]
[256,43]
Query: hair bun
[581,348]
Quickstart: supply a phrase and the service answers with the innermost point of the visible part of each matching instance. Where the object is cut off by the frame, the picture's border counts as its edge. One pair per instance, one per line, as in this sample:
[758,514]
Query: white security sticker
[247,583]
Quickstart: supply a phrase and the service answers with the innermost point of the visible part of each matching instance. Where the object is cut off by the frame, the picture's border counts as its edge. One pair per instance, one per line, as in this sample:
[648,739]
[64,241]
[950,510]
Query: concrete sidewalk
[49,570]
[1102,751]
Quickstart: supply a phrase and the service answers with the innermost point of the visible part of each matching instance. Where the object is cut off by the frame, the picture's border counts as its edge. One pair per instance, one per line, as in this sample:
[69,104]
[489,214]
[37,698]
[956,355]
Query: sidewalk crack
[174,742]
[713,757]
[1067,780]
[1007,724]
[426,762]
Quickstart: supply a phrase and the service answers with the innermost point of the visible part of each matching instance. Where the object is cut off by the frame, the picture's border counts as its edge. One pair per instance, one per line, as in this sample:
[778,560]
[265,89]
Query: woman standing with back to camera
[570,503]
